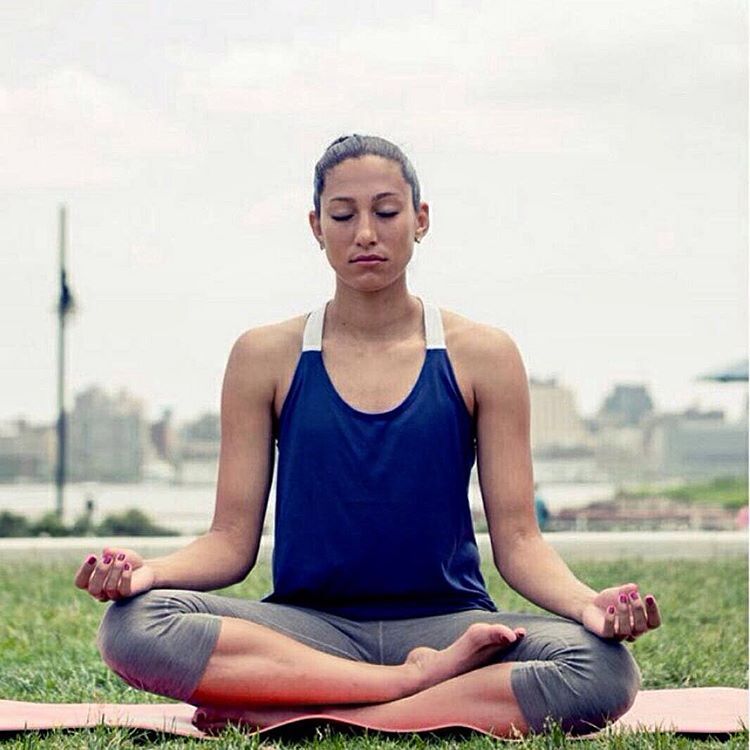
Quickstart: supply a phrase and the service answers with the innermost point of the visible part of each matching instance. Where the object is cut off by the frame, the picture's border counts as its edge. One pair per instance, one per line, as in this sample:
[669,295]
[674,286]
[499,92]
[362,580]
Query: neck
[390,314]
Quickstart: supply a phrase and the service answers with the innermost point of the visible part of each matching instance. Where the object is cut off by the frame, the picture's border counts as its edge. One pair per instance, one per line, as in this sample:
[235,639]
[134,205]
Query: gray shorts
[161,641]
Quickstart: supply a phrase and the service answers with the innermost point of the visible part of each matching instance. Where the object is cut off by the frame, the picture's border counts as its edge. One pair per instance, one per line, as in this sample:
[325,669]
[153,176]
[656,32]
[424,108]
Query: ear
[315,226]
[423,219]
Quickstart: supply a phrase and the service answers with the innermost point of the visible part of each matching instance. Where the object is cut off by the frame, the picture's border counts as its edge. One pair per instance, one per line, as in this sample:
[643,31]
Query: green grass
[729,492]
[47,630]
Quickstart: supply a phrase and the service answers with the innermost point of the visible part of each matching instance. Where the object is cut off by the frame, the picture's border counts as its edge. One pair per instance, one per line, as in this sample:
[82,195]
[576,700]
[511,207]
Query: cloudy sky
[585,164]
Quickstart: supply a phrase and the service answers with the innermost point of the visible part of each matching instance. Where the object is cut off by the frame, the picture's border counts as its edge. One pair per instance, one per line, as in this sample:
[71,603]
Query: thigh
[162,640]
[547,635]
[319,630]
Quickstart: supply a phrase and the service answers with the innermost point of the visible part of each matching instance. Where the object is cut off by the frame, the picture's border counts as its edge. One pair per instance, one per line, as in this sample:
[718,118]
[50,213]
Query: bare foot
[473,648]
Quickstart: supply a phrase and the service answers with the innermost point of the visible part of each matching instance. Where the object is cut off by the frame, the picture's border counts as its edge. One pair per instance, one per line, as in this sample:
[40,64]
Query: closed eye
[382,214]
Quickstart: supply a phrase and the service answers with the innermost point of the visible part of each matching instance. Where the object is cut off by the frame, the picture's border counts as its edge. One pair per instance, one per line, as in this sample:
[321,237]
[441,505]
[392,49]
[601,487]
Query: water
[189,508]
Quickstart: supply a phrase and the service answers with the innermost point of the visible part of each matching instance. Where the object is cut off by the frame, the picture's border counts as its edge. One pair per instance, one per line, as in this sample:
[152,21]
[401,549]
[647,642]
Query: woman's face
[366,209]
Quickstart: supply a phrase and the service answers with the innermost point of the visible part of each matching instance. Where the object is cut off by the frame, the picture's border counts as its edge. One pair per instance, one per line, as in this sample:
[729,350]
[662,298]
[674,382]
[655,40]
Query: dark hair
[355,146]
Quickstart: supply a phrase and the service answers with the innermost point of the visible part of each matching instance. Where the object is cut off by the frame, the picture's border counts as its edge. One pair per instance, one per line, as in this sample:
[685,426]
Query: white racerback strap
[433,325]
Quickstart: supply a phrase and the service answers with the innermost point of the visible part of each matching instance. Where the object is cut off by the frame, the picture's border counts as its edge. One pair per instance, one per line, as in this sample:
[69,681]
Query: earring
[417,239]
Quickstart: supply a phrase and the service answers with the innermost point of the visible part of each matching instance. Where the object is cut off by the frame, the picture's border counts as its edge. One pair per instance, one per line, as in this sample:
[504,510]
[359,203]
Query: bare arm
[227,552]
[521,554]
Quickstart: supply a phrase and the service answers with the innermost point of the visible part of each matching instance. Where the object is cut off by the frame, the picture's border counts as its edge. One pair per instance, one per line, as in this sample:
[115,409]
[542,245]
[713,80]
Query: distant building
[697,444]
[199,444]
[108,437]
[626,405]
[620,451]
[556,425]
[164,438]
[27,451]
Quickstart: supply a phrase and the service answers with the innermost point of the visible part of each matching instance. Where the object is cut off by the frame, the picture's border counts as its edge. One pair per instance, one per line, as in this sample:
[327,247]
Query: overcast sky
[585,164]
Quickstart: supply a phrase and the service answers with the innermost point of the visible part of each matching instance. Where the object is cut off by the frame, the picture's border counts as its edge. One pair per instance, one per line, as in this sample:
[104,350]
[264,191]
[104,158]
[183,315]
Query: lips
[367,257]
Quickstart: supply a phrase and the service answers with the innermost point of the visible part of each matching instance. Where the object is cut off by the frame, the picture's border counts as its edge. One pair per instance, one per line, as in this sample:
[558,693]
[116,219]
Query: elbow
[234,559]
[513,550]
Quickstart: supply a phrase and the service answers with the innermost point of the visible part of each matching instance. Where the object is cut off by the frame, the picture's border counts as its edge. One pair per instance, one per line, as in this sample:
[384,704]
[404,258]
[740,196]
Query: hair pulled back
[355,146]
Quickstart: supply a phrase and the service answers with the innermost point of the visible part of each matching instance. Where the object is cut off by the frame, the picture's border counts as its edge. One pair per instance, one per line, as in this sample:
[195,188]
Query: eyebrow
[376,197]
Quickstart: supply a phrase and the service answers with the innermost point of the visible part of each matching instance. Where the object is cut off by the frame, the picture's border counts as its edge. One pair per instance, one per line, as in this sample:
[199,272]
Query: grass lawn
[47,630]
[729,492]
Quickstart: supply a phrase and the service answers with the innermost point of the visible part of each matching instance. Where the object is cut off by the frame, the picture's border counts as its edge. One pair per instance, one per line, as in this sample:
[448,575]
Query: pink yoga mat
[709,710]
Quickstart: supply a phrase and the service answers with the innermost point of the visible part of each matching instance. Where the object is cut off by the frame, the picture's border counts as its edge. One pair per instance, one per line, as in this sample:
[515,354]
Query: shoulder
[490,357]
[272,339]
[481,344]
[263,352]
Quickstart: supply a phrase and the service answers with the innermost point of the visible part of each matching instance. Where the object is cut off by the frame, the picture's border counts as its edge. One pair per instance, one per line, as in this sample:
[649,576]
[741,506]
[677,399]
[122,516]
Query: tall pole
[63,306]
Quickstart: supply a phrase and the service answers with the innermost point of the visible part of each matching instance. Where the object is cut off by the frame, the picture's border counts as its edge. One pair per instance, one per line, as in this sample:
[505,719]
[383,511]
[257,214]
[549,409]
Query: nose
[365,231]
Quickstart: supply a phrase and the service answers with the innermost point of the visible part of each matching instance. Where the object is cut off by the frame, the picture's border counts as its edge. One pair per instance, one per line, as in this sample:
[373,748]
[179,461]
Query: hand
[620,613]
[120,573]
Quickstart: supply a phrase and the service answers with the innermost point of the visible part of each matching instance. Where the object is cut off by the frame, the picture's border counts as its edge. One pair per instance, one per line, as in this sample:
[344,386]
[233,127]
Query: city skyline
[734,407]
[585,166]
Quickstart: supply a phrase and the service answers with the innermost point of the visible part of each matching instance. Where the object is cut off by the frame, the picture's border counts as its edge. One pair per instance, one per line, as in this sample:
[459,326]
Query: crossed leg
[233,659]
[432,686]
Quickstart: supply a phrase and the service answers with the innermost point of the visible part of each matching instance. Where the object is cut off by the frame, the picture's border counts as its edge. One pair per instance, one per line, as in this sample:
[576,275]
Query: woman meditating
[379,402]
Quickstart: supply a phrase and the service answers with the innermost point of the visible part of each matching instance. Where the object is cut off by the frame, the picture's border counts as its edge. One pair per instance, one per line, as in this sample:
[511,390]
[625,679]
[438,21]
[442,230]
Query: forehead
[365,176]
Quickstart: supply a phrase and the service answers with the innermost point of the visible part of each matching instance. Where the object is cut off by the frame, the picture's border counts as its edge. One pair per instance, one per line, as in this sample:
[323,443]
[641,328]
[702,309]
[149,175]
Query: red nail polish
[126,566]
[649,599]
[107,559]
[91,560]
[611,609]
[121,556]
[623,598]
[633,594]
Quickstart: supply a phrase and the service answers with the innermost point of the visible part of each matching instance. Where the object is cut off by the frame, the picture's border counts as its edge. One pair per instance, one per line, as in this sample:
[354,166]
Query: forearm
[535,570]
[209,562]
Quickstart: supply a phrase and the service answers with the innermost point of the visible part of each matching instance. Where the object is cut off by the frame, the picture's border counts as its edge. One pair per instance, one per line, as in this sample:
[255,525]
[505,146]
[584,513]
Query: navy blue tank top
[372,509]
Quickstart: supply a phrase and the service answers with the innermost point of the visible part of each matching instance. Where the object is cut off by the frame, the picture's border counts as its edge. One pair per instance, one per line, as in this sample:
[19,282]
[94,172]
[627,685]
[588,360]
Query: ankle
[414,678]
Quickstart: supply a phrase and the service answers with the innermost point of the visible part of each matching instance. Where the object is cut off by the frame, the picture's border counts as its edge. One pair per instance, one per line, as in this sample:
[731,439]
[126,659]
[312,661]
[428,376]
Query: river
[189,508]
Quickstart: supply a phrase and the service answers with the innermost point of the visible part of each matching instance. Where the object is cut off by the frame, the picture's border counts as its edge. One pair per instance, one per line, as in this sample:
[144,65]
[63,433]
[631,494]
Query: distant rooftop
[736,372]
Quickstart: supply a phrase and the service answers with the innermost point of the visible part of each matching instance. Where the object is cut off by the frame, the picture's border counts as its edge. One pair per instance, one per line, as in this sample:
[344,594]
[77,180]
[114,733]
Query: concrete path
[572,545]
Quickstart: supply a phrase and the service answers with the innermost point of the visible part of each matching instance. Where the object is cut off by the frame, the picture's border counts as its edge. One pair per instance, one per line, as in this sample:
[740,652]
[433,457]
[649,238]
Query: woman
[379,402]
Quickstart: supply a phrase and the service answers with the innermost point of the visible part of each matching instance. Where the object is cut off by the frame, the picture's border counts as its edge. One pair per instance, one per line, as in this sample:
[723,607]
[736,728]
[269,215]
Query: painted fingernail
[623,598]
[610,610]
[121,556]
[126,566]
[91,559]
[633,594]
[649,599]
[107,559]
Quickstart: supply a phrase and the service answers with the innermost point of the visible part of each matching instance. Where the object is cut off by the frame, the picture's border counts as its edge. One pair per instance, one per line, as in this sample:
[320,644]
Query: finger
[609,623]
[640,622]
[126,580]
[653,616]
[622,626]
[83,574]
[96,584]
[112,581]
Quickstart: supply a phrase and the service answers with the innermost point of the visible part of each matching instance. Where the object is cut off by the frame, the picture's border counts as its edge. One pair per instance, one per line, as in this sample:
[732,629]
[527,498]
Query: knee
[606,680]
[158,641]
[126,635]
[577,680]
